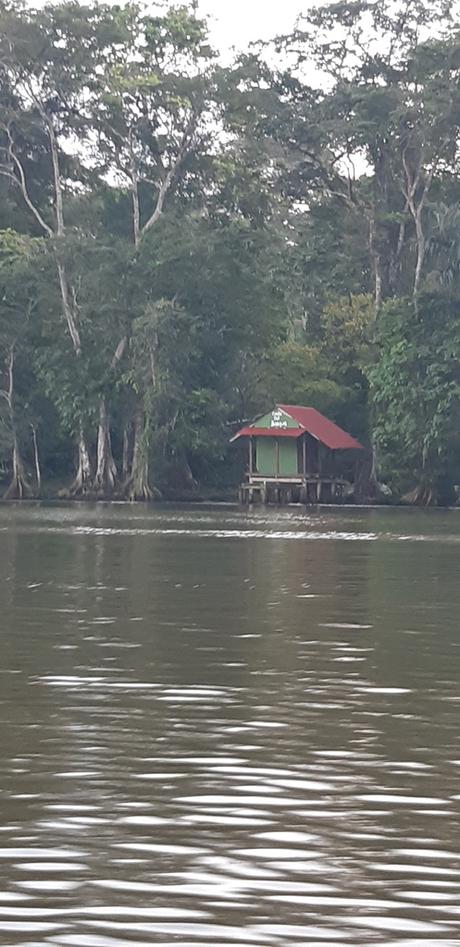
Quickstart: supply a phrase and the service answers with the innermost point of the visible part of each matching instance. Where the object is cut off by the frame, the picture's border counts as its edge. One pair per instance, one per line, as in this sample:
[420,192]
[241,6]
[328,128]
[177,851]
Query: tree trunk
[137,486]
[18,488]
[38,472]
[56,232]
[186,472]
[106,472]
[376,262]
[68,307]
[394,270]
[83,482]
[420,235]
[189,478]
[125,462]
[366,487]
[418,184]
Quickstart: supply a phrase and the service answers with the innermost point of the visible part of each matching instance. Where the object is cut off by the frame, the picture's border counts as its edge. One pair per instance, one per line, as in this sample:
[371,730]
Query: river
[223,728]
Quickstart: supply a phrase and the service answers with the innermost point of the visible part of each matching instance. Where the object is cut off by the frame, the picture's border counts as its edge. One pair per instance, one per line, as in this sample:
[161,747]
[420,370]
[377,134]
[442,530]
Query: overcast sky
[238,22]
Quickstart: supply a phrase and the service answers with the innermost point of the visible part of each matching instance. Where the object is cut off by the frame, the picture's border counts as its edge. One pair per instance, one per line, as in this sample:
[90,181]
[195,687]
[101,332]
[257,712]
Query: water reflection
[213,734]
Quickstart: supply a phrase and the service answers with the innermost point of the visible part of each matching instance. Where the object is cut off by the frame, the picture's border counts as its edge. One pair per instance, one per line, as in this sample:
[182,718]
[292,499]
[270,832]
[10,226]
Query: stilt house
[295,453]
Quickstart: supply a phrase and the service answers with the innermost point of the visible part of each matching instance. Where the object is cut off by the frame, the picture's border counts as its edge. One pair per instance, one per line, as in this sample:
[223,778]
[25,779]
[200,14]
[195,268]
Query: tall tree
[18,258]
[153,120]
[416,393]
[49,63]
[378,121]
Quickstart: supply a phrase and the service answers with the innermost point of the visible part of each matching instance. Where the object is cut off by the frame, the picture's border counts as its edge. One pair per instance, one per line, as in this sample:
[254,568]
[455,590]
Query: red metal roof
[322,428]
[310,420]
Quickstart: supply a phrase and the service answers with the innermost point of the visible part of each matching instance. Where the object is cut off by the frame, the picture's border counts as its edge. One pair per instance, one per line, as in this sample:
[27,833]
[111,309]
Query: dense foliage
[183,243]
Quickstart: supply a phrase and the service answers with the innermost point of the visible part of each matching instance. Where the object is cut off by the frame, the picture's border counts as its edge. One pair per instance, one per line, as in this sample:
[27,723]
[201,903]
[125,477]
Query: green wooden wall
[266,457]
[288,457]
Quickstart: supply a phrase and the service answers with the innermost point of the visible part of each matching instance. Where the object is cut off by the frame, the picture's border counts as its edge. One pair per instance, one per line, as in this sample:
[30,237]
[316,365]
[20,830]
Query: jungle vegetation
[185,241]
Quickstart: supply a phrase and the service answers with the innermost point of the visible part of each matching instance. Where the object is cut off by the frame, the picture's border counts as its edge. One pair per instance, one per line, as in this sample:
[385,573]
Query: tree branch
[134,178]
[20,180]
[68,307]
[167,182]
[58,201]
[413,181]
[119,352]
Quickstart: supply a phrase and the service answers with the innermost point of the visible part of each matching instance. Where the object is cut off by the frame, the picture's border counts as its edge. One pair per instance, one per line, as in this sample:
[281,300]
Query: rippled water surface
[227,728]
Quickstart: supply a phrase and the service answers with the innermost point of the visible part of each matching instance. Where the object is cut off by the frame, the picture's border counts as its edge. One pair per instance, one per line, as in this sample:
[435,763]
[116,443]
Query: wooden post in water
[304,490]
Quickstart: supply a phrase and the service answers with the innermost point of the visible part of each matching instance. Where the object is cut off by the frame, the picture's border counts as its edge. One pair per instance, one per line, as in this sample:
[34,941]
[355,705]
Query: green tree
[17,305]
[415,388]
[379,125]
[49,61]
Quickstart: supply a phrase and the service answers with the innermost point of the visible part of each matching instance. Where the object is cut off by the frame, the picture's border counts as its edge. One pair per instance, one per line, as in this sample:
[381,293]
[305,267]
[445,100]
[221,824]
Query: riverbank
[214,498]
[55,491]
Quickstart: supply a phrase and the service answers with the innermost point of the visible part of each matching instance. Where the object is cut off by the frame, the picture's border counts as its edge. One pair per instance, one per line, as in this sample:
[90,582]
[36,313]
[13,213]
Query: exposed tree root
[422,495]
[105,480]
[366,486]
[137,486]
[19,488]
[82,485]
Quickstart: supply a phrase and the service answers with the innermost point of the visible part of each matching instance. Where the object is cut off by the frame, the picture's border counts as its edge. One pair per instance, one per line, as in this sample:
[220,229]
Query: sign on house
[279,419]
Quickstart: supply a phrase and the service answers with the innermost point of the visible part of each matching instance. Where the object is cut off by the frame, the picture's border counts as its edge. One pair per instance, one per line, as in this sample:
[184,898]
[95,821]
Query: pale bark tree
[19,486]
[13,168]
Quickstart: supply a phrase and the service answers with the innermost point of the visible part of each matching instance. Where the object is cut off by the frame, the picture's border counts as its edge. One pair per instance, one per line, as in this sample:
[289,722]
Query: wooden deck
[299,489]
